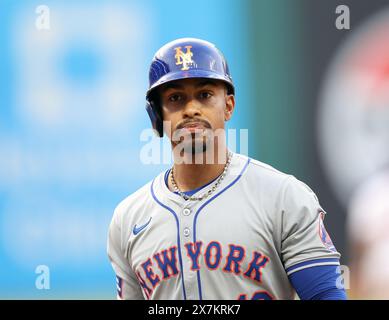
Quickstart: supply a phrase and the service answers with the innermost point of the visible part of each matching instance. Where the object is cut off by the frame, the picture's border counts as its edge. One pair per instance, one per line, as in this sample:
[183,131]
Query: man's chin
[192,144]
[195,147]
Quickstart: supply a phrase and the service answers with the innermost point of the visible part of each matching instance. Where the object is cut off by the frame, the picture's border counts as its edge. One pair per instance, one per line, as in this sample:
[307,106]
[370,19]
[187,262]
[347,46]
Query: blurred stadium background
[313,98]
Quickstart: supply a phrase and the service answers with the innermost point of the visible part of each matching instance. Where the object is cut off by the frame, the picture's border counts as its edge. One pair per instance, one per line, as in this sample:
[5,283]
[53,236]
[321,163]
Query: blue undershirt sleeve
[318,283]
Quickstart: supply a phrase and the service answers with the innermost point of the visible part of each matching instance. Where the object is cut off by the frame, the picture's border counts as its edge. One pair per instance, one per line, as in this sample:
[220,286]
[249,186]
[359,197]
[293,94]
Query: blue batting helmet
[181,59]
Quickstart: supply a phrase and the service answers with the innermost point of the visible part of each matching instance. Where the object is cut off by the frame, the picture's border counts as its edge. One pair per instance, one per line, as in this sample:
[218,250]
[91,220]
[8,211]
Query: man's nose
[192,108]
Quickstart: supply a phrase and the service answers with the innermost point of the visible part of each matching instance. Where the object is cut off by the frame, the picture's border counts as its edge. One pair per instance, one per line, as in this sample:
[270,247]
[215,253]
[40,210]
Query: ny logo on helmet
[184,59]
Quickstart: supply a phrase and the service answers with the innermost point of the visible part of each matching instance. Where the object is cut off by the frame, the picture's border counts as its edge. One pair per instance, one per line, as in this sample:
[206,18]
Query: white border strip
[313,265]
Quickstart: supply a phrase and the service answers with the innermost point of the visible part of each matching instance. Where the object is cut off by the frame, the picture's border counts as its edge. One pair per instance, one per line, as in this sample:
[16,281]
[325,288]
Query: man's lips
[193,125]
[193,128]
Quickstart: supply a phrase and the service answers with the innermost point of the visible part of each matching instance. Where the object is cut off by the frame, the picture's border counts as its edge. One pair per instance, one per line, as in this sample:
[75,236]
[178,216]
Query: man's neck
[189,176]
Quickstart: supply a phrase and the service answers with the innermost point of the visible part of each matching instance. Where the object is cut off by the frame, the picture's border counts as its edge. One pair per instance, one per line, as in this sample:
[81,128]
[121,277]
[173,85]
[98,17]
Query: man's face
[194,109]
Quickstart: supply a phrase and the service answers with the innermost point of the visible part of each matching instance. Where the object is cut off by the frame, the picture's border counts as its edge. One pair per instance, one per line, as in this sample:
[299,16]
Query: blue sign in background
[71,117]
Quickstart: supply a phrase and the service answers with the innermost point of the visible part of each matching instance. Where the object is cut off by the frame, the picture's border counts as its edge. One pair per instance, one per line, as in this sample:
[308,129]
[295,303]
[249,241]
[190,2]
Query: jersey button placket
[187,233]
[186,212]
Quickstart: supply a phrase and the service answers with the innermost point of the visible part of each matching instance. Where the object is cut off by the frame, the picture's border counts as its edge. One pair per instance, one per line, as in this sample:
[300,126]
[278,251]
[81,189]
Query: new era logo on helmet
[184,58]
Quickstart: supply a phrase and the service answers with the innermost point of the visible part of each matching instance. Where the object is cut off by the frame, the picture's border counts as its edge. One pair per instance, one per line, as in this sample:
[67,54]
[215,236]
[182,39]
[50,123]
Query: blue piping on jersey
[315,262]
[198,211]
[189,192]
[178,236]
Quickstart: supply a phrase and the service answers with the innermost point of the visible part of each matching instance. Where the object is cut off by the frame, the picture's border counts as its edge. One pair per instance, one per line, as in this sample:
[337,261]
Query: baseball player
[229,227]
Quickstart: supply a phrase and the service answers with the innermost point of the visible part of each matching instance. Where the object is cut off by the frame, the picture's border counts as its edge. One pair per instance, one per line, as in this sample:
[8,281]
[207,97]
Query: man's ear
[229,107]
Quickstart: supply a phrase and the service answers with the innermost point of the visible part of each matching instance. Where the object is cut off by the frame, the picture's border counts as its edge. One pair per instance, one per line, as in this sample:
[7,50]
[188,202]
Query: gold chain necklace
[210,191]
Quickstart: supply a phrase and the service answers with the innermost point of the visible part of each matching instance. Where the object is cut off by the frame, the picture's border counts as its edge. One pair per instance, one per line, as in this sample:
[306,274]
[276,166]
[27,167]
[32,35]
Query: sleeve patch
[119,285]
[324,236]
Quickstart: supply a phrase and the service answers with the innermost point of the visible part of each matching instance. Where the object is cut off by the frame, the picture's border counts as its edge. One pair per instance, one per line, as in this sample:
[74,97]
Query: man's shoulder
[267,168]
[138,195]
[259,177]
[270,174]
[258,169]
[136,200]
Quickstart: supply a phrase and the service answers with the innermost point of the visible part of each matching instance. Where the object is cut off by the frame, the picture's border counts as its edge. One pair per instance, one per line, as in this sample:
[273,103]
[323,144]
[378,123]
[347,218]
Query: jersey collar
[166,196]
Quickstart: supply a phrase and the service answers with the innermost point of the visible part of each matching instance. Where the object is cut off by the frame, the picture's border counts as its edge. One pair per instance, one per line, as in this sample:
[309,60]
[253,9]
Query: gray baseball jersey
[259,226]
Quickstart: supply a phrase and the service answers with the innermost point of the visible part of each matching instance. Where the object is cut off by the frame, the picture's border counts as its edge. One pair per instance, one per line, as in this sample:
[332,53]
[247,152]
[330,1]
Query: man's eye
[174,98]
[205,95]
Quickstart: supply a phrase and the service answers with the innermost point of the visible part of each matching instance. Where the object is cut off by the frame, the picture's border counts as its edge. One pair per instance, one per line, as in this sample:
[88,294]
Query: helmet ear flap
[155,117]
